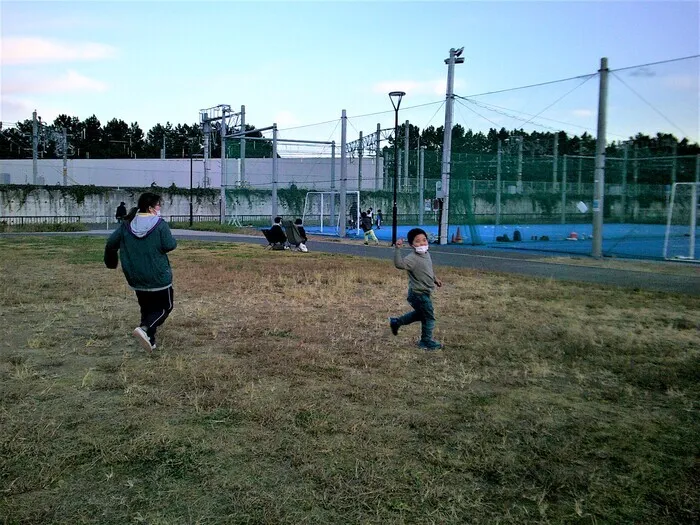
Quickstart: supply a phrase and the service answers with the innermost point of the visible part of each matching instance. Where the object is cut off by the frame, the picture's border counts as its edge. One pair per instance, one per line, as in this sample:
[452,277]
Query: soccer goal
[322,213]
[680,240]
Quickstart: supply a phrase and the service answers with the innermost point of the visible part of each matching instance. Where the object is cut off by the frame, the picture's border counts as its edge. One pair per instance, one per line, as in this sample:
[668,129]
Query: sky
[299,64]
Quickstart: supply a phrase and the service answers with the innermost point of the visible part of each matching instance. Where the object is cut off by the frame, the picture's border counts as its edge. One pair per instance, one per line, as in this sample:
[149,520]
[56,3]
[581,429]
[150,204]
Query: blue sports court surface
[645,241]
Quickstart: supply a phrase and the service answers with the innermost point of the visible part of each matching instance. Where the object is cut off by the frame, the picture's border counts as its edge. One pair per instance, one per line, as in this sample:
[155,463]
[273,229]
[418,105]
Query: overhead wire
[649,104]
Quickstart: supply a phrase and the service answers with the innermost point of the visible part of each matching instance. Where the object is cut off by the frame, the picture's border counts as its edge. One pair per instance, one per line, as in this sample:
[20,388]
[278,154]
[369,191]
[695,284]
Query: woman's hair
[148,200]
[132,213]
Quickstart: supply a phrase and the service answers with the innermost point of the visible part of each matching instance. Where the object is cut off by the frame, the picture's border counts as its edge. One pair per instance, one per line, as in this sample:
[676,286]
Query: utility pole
[405,161]
[625,156]
[162,151]
[421,184]
[599,186]
[332,206]
[342,213]
[359,165]
[555,161]
[454,58]
[499,157]
[563,191]
[35,149]
[377,156]
[275,211]
[65,157]
[519,182]
[242,139]
[224,182]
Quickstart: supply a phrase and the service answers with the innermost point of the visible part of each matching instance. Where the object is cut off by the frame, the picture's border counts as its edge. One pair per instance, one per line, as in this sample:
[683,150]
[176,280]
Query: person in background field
[370,214]
[121,212]
[143,240]
[302,231]
[353,215]
[379,219]
[366,225]
[421,282]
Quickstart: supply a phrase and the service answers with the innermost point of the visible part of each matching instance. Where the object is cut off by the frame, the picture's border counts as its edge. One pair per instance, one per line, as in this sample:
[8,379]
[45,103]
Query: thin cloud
[681,82]
[35,50]
[582,113]
[71,81]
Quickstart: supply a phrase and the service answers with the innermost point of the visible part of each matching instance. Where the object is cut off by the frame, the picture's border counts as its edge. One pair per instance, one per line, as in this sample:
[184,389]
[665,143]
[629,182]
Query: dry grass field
[279,395]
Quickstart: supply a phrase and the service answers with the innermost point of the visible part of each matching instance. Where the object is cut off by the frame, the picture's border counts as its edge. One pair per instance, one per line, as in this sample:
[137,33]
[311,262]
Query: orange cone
[458,237]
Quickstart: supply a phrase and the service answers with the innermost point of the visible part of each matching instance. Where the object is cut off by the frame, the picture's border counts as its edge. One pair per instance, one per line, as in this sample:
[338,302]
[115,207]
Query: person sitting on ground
[302,231]
[277,233]
[366,225]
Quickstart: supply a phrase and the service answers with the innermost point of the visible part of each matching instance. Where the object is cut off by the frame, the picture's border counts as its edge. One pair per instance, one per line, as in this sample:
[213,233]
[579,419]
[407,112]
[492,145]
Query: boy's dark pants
[423,312]
[155,309]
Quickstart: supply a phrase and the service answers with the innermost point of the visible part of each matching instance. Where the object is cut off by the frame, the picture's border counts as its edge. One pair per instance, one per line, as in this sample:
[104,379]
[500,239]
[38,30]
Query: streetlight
[395,97]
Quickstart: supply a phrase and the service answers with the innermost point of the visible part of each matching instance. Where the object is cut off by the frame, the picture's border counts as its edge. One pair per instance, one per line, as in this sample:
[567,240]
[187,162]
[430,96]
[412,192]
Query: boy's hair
[278,220]
[148,200]
[415,232]
[363,214]
[297,222]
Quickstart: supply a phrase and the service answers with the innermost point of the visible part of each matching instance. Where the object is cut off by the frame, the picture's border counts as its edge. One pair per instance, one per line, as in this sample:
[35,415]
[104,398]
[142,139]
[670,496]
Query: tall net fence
[544,202]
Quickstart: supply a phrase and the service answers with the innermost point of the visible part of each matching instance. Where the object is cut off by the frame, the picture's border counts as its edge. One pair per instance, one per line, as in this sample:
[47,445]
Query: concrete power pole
[555,162]
[377,156]
[35,148]
[65,157]
[499,159]
[274,171]
[359,165]
[599,186]
[343,212]
[224,182]
[242,139]
[332,206]
[454,58]
[405,157]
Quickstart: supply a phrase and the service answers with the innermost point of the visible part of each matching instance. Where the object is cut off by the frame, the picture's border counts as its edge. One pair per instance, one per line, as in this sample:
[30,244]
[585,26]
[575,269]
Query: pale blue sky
[299,63]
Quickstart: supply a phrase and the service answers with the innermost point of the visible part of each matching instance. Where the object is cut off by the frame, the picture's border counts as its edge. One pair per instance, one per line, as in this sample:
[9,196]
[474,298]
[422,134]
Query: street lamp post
[395,97]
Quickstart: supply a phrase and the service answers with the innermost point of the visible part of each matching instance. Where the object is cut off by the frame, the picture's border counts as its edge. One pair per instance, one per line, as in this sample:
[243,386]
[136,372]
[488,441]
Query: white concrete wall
[312,173]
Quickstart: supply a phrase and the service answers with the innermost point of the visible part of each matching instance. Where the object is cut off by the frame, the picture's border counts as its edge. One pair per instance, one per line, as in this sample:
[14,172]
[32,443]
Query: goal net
[322,212]
[680,240]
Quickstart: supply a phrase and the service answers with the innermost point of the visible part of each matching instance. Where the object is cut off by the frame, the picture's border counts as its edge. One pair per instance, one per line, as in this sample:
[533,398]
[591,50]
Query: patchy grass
[216,227]
[43,227]
[279,395]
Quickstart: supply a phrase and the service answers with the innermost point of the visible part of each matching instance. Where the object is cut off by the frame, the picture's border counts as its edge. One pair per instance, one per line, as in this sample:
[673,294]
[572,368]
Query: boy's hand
[438,282]
[399,243]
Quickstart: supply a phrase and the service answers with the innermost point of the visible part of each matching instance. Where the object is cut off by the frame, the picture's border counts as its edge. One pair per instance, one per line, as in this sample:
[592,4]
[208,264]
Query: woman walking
[143,240]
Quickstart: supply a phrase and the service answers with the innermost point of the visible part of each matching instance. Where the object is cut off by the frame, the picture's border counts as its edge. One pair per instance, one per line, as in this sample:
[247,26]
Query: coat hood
[143,224]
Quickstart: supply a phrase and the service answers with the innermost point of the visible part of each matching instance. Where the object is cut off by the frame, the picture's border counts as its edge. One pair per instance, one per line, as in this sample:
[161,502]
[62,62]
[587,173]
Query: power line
[655,63]
[650,105]
[588,76]
[563,96]
[476,113]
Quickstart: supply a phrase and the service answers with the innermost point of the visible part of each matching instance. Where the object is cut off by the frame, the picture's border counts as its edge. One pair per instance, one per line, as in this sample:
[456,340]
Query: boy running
[421,282]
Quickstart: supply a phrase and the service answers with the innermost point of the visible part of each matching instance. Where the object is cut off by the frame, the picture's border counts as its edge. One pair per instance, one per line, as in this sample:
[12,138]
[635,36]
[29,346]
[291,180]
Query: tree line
[117,140]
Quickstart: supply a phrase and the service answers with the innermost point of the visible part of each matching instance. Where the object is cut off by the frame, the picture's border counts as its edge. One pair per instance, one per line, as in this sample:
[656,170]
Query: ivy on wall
[80,192]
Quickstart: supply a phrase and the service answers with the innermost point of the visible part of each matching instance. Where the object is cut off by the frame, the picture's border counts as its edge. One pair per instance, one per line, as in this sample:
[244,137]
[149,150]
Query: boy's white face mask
[421,249]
